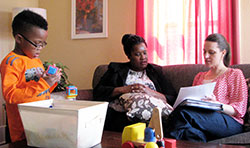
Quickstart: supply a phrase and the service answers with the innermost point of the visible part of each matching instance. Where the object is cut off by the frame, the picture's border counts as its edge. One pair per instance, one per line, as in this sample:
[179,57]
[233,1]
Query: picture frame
[89,19]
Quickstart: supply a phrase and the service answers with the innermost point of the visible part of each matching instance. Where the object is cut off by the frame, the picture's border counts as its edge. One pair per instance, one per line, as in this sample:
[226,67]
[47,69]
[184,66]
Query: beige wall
[245,31]
[6,39]
[83,55]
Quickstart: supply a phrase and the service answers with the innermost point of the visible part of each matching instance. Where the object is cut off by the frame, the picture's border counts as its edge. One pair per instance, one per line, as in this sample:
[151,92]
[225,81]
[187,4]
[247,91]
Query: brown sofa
[180,76]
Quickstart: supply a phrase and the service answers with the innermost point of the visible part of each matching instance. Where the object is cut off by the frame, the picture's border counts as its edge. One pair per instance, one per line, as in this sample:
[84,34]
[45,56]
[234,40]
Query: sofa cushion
[182,75]
[99,72]
[242,138]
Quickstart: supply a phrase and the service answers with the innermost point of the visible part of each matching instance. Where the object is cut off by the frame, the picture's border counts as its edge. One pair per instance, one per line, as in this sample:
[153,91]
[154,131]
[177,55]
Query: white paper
[197,92]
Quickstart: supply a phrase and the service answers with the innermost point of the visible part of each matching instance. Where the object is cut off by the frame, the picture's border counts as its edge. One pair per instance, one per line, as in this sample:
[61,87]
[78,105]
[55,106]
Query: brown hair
[222,44]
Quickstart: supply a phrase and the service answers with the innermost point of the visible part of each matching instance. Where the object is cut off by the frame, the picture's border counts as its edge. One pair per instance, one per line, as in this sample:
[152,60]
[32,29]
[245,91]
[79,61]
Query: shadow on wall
[6,38]
[2,118]
[6,45]
[2,113]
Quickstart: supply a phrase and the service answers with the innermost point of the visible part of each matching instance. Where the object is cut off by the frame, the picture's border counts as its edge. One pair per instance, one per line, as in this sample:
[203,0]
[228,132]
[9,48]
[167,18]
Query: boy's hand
[52,79]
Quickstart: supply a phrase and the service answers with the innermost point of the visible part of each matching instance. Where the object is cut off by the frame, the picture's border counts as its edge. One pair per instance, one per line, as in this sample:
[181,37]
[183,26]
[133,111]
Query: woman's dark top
[115,77]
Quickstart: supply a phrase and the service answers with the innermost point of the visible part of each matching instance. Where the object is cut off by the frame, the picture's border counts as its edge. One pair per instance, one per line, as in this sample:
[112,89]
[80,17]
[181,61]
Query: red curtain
[175,30]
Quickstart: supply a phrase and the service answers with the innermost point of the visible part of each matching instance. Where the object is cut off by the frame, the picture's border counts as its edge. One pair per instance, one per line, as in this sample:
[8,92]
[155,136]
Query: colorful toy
[161,143]
[128,145]
[151,145]
[134,132]
[137,135]
[51,70]
[170,143]
[156,123]
[149,135]
[71,92]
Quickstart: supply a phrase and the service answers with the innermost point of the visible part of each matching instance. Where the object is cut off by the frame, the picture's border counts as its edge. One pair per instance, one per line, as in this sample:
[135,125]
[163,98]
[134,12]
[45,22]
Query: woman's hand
[211,98]
[227,109]
[137,88]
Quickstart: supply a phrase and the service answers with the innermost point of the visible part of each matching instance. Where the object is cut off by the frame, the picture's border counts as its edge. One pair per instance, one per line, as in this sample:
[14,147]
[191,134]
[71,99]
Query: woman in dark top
[135,76]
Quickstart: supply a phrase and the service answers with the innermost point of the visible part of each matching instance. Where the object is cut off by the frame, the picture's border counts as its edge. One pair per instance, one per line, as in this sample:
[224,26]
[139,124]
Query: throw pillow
[139,106]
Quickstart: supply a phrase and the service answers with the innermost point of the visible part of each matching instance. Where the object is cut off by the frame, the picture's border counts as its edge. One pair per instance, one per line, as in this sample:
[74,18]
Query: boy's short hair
[27,19]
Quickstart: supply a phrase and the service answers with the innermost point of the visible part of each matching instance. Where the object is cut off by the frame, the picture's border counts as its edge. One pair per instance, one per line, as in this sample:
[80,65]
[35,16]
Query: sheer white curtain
[175,30]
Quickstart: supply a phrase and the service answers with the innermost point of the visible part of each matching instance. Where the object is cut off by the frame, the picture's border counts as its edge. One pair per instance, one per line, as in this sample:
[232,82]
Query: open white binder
[193,95]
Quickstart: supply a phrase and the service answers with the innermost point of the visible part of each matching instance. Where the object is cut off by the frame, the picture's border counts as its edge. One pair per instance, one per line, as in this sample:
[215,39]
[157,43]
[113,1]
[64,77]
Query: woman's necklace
[213,75]
[138,74]
[142,74]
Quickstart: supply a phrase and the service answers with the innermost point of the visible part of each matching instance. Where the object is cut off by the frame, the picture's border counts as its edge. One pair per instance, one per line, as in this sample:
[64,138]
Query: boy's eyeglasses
[40,45]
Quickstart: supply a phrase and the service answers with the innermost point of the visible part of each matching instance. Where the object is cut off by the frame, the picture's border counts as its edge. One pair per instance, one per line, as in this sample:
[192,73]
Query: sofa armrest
[58,95]
[83,94]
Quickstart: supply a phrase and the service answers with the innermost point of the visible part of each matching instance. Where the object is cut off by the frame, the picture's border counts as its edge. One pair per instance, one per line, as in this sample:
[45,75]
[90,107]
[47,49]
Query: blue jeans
[195,124]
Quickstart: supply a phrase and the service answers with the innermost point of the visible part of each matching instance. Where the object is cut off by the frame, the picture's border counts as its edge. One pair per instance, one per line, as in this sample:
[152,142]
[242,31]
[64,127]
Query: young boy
[22,72]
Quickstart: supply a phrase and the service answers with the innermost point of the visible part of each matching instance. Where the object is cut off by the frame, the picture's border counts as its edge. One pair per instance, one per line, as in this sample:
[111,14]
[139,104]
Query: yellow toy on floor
[140,136]
[134,132]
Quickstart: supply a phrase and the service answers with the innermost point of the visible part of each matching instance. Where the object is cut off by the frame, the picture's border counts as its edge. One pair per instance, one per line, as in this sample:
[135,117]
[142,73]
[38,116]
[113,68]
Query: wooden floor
[114,140]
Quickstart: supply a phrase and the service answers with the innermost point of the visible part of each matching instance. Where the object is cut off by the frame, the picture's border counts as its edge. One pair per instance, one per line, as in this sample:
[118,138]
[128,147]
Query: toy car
[139,136]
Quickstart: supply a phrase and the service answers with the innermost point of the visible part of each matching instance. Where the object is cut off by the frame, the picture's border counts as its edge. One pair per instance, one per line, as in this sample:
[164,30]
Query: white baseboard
[2,134]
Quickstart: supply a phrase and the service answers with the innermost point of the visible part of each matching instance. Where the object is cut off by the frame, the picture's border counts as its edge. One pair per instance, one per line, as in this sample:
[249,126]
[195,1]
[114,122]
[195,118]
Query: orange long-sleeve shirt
[21,83]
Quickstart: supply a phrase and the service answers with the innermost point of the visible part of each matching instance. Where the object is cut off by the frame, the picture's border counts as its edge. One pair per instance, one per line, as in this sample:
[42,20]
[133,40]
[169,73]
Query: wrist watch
[222,107]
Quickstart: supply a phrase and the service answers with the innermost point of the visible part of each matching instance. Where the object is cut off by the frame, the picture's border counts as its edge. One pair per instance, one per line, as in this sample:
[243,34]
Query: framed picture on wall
[89,19]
